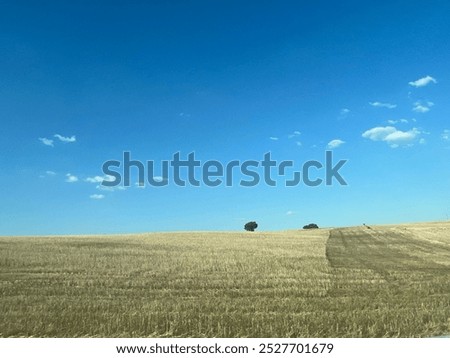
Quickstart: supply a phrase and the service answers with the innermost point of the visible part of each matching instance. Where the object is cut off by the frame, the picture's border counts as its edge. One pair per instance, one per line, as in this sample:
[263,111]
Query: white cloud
[288,213]
[421,82]
[399,136]
[110,188]
[335,143]
[46,141]
[66,139]
[446,135]
[294,134]
[422,141]
[381,104]
[96,179]
[97,196]
[71,178]
[50,142]
[422,107]
[391,135]
[343,113]
[299,144]
[48,173]
[395,121]
[99,179]
[273,138]
[378,133]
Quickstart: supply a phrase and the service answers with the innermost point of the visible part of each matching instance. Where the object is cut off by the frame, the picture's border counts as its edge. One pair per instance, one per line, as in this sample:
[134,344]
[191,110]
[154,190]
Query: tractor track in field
[396,250]
[386,253]
[389,272]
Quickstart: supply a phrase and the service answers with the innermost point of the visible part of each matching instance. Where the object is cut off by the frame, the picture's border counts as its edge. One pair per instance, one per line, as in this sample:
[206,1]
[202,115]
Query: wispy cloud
[383,105]
[294,134]
[395,121]
[421,82]
[110,188]
[99,179]
[273,138]
[391,135]
[343,113]
[50,142]
[446,135]
[46,141]
[335,143]
[299,144]
[422,107]
[96,196]
[48,173]
[289,213]
[66,139]
[71,178]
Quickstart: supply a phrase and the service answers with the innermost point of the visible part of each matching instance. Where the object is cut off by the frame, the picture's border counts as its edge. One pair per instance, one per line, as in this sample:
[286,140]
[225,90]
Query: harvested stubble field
[387,281]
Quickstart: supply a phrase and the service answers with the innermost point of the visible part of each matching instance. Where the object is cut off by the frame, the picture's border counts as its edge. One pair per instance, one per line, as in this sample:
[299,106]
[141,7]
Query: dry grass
[353,282]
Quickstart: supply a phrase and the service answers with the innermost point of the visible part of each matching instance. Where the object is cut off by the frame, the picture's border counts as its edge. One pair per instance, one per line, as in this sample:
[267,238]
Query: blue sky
[80,83]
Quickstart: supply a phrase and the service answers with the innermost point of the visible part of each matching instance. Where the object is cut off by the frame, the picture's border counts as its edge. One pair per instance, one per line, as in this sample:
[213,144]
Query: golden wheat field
[382,281]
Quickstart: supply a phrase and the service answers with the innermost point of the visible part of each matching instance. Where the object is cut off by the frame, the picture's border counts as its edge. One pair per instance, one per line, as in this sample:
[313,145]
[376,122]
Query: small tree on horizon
[251,226]
[310,226]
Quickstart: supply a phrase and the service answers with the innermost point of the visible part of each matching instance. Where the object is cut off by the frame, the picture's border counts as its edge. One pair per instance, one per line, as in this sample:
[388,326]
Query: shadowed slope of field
[395,282]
